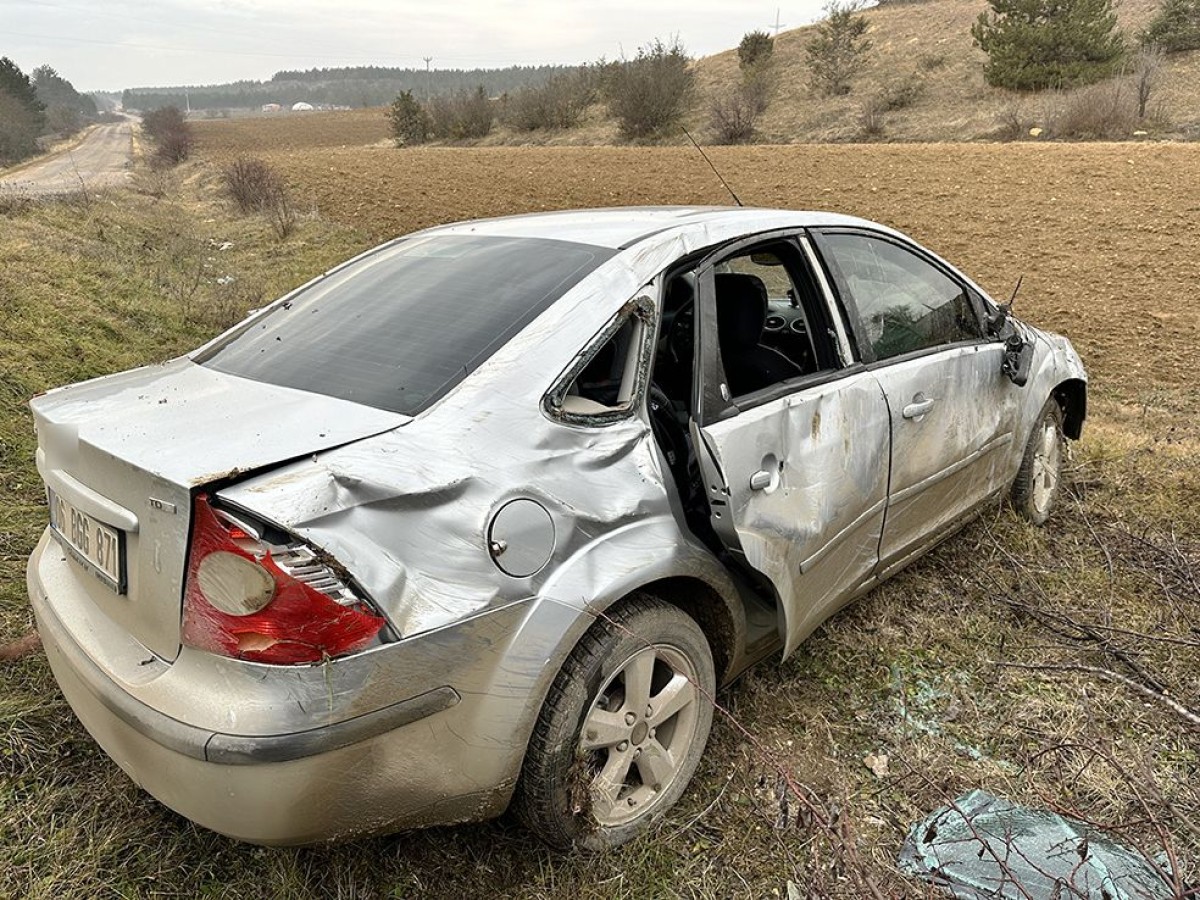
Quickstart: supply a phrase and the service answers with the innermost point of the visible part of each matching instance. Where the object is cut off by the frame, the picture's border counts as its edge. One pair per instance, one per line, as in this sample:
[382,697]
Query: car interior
[771,329]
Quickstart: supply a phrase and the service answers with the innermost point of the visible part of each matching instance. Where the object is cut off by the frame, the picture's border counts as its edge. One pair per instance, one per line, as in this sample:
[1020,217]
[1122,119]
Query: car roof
[622,227]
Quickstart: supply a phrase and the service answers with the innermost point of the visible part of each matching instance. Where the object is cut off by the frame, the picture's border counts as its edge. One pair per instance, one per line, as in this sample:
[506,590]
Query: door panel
[952,439]
[800,488]
[952,409]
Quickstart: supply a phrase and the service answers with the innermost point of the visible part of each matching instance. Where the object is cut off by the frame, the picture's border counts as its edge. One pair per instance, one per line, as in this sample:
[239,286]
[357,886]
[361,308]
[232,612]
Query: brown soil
[1107,236]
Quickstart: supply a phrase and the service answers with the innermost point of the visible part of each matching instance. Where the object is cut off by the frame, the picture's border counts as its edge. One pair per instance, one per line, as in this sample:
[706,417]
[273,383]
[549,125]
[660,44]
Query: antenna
[714,168]
[1013,298]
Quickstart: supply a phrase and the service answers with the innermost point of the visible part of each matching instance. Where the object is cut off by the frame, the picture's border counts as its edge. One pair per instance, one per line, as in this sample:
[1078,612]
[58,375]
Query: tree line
[35,106]
[352,86]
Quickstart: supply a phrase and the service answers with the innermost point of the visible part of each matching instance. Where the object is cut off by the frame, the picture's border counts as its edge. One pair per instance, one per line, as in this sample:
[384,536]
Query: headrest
[741,310]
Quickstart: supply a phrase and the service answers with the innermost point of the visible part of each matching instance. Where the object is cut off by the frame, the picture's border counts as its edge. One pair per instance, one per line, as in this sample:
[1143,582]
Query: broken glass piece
[981,847]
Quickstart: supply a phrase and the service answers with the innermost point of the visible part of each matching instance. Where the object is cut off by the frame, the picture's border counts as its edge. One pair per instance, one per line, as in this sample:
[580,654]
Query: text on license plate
[97,543]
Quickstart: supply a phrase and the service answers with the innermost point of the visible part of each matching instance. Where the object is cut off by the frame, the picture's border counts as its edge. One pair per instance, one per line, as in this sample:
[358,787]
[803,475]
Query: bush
[1175,27]
[1147,73]
[756,47]
[1015,124]
[170,133]
[901,93]
[558,103]
[281,212]
[460,116]
[63,120]
[734,114]
[839,49]
[648,94]
[257,188]
[410,122]
[1036,44]
[1100,112]
[251,183]
[871,118]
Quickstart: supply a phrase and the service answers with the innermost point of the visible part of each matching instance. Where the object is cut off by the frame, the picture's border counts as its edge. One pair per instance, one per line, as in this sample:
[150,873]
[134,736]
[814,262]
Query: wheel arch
[1071,396]
[707,608]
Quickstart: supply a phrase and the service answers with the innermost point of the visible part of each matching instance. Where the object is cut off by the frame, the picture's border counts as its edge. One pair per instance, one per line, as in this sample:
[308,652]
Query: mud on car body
[483,517]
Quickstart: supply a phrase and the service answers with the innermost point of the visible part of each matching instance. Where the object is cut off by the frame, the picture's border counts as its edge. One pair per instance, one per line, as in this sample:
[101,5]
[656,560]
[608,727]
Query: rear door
[795,454]
[921,330]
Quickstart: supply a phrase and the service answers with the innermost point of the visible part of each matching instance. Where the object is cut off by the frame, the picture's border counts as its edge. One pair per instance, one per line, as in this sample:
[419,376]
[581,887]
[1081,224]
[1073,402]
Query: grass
[919,671]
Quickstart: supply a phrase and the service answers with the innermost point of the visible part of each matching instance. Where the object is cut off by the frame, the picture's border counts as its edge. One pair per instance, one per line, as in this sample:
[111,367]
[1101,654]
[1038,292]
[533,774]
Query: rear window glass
[399,328]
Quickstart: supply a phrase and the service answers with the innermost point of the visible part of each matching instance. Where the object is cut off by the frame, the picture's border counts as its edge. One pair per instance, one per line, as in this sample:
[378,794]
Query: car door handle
[760,480]
[918,407]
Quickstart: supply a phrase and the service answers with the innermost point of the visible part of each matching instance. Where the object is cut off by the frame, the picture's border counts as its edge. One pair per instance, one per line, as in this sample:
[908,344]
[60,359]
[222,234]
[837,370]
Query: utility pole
[428,78]
[777,25]
[187,101]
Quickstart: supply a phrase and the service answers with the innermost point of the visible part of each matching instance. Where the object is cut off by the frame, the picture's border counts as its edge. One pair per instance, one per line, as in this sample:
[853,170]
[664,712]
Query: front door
[792,434]
[952,409]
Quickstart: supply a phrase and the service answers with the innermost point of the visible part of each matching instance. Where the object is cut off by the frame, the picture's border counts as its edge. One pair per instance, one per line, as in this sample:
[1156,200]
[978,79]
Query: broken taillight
[253,600]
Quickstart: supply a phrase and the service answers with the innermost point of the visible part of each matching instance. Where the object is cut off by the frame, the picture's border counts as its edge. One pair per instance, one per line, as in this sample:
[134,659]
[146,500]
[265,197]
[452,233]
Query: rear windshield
[400,327]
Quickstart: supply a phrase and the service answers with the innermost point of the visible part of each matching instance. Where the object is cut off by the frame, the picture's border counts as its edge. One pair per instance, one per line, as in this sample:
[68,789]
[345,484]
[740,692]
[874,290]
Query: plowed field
[1107,236]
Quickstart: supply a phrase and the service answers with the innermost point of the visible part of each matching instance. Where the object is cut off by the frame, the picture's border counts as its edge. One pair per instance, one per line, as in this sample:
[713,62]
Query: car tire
[604,763]
[1039,480]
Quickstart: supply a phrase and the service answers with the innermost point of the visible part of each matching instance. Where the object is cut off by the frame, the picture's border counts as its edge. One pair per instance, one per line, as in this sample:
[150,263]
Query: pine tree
[17,85]
[410,121]
[1175,27]
[838,50]
[1036,44]
[22,116]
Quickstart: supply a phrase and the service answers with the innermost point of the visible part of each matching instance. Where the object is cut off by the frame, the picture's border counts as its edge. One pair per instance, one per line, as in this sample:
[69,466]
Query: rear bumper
[447,750]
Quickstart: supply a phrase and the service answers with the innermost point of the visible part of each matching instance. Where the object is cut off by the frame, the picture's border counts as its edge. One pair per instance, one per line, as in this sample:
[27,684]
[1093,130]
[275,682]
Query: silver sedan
[484,517]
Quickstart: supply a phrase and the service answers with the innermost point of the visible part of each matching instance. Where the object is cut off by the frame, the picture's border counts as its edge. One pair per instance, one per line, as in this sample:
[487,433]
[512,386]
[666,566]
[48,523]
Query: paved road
[100,160]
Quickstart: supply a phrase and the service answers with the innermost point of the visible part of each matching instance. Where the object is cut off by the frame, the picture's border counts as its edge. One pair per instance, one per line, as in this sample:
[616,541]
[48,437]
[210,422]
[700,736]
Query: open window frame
[832,345]
[557,404]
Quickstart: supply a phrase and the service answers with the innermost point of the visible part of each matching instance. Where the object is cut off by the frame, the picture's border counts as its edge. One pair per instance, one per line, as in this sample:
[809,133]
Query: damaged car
[483,518]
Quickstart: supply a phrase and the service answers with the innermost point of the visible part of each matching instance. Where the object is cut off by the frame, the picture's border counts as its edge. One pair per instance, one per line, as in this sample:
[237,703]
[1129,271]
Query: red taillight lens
[239,602]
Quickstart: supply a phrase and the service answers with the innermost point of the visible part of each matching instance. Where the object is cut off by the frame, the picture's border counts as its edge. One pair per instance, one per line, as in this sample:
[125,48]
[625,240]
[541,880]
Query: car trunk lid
[122,456]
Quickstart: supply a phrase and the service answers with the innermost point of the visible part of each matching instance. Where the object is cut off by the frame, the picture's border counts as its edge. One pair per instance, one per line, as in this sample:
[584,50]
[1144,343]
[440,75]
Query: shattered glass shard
[981,847]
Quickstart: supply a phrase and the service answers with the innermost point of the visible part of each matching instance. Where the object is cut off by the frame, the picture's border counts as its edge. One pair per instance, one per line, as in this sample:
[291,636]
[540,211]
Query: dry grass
[929,42]
[1106,238]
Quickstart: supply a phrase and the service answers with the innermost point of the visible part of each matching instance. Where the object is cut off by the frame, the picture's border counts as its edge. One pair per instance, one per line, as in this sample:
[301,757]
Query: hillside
[930,43]
[926,43]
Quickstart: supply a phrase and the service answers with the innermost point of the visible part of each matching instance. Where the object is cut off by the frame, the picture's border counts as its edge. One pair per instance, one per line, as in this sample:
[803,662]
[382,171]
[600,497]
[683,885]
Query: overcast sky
[114,44]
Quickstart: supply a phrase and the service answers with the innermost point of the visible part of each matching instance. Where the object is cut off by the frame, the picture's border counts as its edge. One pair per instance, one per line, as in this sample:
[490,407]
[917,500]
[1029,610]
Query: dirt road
[100,160]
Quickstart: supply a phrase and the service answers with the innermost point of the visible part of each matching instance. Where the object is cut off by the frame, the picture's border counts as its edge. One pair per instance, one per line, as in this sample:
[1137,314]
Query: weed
[252,183]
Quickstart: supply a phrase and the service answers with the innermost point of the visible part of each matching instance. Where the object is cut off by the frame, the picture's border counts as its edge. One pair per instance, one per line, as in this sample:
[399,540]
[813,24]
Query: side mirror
[1018,353]
[1018,359]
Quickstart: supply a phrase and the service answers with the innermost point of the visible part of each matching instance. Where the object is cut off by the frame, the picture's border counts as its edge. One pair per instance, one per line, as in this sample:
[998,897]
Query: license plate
[92,542]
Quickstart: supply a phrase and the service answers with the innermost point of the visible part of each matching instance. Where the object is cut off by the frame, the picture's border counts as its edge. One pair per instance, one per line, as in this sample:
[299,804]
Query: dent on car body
[408,512]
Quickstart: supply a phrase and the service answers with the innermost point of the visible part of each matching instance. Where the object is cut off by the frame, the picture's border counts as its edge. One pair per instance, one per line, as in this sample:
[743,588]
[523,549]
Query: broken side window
[607,378]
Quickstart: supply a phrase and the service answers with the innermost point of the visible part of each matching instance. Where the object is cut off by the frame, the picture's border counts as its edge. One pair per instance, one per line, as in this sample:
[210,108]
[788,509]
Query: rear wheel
[1039,480]
[622,730]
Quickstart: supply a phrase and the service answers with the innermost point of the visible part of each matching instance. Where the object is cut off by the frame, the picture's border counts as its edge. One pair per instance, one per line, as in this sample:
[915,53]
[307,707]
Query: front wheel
[622,729]
[1039,480]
